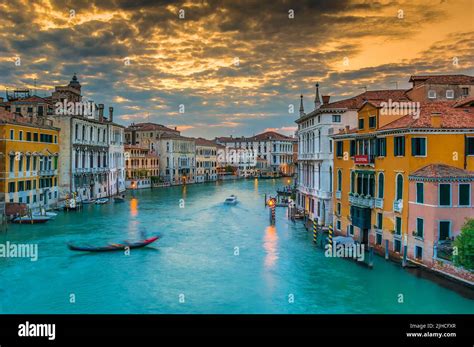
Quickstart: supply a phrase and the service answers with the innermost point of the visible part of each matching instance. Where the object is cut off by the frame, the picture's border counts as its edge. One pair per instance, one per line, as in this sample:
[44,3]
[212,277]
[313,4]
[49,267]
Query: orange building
[374,164]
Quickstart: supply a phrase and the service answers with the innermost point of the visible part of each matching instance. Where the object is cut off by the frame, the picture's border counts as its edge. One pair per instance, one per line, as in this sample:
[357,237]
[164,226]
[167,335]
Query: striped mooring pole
[273,213]
[330,235]
[315,230]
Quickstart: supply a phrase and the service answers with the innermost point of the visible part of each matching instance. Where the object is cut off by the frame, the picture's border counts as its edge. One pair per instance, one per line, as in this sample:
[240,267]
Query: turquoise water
[194,269]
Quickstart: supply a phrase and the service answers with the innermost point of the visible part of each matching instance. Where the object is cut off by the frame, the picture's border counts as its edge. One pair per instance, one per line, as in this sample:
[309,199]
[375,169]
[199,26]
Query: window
[450,94]
[432,94]
[372,121]
[399,195]
[465,91]
[339,180]
[361,123]
[12,163]
[380,189]
[352,148]
[20,135]
[444,194]
[379,221]
[381,147]
[469,145]
[338,225]
[12,134]
[444,230]
[338,208]
[419,227]
[418,252]
[350,229]
[420,198]
[28,136]
[398,225]
[11,187]
[418,146]
[464,194]
[378,239]
[35,137]
[336,118]
[399,146]
[339,148]
[330,145]
[397,246]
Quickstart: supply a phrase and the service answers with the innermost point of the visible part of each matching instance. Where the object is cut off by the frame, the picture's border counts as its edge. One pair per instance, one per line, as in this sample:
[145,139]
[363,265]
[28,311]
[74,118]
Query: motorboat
[51,215]
[102,201]
[231,200]
[88,201]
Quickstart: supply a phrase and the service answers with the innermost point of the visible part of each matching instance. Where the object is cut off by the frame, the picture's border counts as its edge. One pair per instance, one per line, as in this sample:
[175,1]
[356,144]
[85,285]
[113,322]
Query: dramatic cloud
[228,67]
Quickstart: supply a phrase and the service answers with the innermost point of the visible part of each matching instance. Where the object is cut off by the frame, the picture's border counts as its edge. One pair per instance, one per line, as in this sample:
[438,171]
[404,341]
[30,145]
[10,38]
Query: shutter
[413,146]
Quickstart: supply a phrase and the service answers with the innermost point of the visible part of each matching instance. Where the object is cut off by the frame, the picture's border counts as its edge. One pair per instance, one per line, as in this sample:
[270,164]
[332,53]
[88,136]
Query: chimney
[111,114]
[134,136]
[436,119]
[326,99]
[101,112]
[346,129]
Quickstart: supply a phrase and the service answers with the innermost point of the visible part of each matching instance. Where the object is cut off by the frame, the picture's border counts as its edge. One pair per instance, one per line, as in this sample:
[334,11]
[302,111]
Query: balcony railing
[361,201]
[47,172]
[398,205]
[378,202]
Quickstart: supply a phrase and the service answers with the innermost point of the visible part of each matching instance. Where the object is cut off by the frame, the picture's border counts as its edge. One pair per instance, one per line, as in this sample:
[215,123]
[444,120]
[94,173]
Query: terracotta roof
[373,95]
[443,79]
[204,142]
[266,136]
[451,117]
[174,136]
[149,127]
[468,101]
[31,99]
[11,118]
[440,172]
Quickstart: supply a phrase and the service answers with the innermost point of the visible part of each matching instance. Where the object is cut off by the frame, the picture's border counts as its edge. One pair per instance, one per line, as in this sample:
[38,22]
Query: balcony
[398,206]
[364,159]
[47,172]
[314,156]
[378,203]
[362,201]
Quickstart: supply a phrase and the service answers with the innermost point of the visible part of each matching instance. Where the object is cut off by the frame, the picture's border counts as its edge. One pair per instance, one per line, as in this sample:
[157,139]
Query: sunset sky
[236,66]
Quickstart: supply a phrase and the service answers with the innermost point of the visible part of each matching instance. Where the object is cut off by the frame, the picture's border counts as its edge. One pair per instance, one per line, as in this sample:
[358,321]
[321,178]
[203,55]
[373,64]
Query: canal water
[212,258]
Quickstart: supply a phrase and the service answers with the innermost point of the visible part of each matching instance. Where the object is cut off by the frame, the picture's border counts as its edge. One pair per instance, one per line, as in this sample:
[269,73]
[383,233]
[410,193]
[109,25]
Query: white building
[276,149]
[116,138]
[84,147]
[315,148]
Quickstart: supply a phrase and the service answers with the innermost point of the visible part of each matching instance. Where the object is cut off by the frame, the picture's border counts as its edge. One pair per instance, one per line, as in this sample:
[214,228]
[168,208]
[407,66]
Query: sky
[219,68]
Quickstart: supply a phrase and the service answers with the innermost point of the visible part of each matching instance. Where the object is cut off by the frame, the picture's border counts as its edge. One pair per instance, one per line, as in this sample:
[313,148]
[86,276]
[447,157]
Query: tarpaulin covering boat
[114,246]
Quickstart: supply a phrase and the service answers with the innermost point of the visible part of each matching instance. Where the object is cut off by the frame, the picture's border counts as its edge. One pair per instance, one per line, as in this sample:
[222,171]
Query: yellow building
[372,165]
[29,161]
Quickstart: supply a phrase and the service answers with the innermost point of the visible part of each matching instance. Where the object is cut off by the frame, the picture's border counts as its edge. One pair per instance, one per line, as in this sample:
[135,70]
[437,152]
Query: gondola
[114,246]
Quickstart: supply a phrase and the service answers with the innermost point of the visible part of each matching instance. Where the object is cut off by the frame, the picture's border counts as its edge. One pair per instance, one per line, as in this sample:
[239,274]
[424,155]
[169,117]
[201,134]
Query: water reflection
[270,244]
[134,207]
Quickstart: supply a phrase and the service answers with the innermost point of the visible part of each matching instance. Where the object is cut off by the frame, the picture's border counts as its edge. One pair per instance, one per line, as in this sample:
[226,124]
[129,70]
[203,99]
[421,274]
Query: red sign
[361,159]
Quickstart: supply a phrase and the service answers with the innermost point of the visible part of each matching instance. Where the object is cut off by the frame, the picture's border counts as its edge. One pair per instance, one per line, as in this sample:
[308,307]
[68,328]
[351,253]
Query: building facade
[142,166]
[177,158]
[116,153]
[276,149]
[29,167]
[206,160]
[375,194]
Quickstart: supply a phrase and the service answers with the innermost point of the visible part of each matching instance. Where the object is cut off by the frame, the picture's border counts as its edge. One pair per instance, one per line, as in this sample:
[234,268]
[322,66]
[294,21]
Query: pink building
[440,200]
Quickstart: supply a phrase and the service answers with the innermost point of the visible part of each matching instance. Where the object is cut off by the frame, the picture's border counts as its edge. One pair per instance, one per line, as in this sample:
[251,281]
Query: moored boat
[114,246]
[118,199]
[101,201]
[33,219]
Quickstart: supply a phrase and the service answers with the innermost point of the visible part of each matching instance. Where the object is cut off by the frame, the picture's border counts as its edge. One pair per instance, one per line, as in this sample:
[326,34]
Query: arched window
[380,186]
[399,194]
[339,180]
